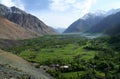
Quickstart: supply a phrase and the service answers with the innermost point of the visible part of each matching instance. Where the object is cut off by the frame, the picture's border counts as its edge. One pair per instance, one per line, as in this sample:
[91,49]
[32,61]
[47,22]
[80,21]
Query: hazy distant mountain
[84,23]
[60,30]
[10,30]
[109,25]
[27,21]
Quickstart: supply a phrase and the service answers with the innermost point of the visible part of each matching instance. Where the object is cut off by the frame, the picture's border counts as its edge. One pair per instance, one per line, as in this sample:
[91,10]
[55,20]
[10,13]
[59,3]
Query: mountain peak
[94,14]
[25,20]
[86,22]
[112,11]
[17,10]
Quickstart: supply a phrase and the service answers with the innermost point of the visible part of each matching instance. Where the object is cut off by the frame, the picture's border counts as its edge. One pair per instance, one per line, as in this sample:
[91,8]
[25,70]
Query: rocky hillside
[10,30]
[14,67]
[8,72]
[84,23]
[107,25]
[115,30]
[27,21]
[98,22]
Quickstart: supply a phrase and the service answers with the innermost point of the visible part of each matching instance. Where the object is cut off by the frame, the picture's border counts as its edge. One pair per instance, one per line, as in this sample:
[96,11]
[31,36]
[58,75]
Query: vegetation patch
[72,56]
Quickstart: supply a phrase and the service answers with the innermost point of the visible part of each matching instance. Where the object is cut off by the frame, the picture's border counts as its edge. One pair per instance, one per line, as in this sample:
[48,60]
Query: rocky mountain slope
[113,30]
[8,72]
[14,67]
[27,21]
[98,22]
[84,23]
[10,30]
[107,25]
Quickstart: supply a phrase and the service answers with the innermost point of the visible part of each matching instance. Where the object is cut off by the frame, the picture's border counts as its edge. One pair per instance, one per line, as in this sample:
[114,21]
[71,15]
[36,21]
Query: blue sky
[61,13]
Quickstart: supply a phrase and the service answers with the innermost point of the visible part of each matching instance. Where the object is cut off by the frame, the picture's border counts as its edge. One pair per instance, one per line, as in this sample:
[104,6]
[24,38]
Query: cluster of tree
[106,61]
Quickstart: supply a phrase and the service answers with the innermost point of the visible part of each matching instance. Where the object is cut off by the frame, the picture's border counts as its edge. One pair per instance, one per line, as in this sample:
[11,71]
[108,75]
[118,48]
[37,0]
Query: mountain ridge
[107,23]
[93,23]
[84,23]
[26,20]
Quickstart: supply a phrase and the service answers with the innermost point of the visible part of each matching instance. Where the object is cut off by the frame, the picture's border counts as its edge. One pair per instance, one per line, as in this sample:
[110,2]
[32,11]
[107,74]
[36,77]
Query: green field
[87,58]
[64,55]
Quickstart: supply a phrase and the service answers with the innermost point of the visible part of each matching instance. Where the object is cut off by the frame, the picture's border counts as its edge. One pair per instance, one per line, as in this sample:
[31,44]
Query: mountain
[10,30]
[84,23]
[89,20]
[112,11]
[107,25]
[27,21]
[115,30]
[60,30]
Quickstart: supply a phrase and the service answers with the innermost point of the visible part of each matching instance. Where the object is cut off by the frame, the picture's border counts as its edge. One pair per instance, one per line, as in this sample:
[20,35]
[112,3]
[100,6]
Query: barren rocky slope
[22,65]
[26,20]
[10,30]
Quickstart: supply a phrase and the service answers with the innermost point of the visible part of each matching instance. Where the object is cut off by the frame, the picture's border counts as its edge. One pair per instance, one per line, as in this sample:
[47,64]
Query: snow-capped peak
[94,14]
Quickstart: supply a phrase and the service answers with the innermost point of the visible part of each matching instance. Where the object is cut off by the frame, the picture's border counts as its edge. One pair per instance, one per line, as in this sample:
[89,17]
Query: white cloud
[59,5]
[65,12]
[74,6]
[17,3]
[85,6]
[8,3]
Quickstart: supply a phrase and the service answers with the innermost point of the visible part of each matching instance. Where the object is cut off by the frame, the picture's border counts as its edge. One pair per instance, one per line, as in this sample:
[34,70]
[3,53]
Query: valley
[89,48]
[72,56]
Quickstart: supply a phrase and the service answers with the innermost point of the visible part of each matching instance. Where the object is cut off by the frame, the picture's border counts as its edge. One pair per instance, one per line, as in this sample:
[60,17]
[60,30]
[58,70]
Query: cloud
[64,12]
[61,5]
[74,6]
[17,3]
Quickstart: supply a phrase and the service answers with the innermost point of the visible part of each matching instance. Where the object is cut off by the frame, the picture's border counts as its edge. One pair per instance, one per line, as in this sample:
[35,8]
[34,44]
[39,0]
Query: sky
[61,13]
